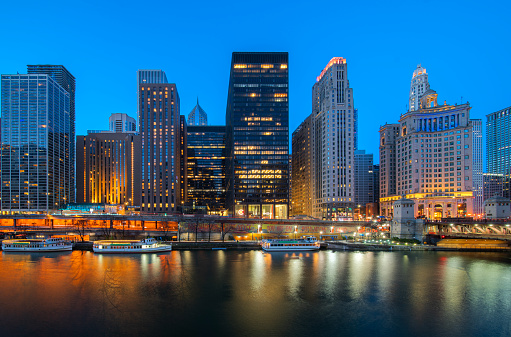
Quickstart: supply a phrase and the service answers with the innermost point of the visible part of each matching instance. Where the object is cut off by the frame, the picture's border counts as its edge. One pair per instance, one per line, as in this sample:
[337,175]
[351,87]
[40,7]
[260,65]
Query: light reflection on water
[252,293]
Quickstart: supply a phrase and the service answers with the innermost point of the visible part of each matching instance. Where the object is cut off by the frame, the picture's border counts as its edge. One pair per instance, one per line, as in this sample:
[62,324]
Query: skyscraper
[418,87]
[67,81]
[119,122]
[158,111]
[477,168]
[37,144]
[257,122]
[301,169]
[364,178]
[206,167]
[498,141]
[428,157]
[333,137]
[197,117]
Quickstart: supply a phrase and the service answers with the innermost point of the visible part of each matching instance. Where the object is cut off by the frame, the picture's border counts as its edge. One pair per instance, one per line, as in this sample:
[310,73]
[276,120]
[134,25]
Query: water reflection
[255,293]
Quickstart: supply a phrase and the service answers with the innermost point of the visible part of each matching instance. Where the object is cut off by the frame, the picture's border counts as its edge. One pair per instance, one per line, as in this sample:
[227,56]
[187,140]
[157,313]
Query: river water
[251,293]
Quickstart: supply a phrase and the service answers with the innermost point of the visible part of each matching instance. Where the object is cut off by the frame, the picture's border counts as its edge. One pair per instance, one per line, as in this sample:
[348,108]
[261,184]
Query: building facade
[428,157]
[364,178]
[108,168]
[206,167]
[37,144]
[477,166]
[197,117]
[158,111]
[257,120]
[493,185]
[498,142]
[120,122]
[418,87]
[333,143]
[301,169]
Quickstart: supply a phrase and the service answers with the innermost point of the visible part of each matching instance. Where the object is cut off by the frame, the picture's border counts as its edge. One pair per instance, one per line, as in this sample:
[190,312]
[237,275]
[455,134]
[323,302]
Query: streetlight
[296,228]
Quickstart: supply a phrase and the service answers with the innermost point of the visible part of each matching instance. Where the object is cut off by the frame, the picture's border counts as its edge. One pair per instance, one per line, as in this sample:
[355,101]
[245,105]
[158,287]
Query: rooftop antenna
[461,100]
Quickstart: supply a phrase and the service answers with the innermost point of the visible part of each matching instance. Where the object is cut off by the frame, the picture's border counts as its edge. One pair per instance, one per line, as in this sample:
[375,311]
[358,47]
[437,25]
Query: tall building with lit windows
[301,197]
[257,121]
[158,112]
[428,157]
[37,154]
[108,168]
[498,142]
[197,117]
[333,137]
[418,87]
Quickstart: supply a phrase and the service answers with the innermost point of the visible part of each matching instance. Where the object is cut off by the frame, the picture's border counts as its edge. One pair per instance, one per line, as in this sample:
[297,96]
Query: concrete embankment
[187,245]
[382,247]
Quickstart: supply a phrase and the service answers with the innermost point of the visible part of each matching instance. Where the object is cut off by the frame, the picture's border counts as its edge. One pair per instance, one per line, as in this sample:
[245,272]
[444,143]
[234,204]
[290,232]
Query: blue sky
[464,45]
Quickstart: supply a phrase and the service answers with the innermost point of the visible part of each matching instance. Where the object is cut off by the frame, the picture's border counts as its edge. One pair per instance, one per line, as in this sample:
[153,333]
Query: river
[251,293]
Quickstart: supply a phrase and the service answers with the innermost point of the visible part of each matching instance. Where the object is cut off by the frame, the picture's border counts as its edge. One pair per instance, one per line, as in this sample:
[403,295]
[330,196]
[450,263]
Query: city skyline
[383,46]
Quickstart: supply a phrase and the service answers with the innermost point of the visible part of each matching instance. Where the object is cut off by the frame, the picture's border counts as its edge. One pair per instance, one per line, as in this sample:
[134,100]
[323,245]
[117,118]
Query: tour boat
[277,245]
[36,245]
[149,245]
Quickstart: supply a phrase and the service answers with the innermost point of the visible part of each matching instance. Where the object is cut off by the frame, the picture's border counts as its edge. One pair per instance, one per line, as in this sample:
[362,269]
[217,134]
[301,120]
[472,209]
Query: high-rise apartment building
[183,160]
[364,178]
[197,117]
[333,142]
[428,157]
[257,121]
[158,111]
[119,122]
[477,166]
[108,168]
[206,167]
[301,169]
[37,144]
[498,142]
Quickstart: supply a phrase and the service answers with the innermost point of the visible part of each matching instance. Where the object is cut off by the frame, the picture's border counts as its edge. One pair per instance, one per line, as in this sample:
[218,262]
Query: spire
[197,100]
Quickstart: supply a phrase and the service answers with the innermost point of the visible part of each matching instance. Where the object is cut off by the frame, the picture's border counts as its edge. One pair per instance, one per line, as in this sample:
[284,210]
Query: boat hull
[132,251]
[294,249]
[65,248]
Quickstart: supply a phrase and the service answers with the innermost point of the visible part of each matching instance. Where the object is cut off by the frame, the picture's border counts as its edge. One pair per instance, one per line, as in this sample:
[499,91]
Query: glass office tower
[66,80]
[206,167]
[37,144]
[257,121]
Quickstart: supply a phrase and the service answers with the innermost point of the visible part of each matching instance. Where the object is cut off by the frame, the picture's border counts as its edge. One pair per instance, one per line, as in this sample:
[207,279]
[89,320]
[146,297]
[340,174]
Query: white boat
[36,245]
[149,245]
[277,245]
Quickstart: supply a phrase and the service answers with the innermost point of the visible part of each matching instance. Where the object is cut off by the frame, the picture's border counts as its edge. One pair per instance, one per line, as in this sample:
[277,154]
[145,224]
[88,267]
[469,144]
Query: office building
[477,166]
[37,144]
[418,87]
[67,81]
[119,122]
[333,143]
[158,111]
[108,168]
[301,198]
[257,121]
[197,117]
[428,158]
[206,168]
[364,178]
[183,161]
[493,185]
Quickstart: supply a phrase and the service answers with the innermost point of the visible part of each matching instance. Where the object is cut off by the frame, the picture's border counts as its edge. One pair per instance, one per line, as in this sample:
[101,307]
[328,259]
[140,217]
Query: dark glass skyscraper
[257,121]
[206,167]
[158,112]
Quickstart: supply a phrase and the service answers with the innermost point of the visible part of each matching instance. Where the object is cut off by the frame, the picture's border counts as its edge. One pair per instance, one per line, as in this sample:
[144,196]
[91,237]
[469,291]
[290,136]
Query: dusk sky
[464,45]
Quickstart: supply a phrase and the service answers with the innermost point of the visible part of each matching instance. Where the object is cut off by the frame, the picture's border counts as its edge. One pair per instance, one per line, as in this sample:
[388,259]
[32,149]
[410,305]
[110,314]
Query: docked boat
[149,245]
[36,245]
[277,245]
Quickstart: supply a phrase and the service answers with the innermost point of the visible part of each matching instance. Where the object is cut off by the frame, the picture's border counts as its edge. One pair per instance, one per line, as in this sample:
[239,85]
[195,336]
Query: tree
[227,228]
[81,227]
[166,227]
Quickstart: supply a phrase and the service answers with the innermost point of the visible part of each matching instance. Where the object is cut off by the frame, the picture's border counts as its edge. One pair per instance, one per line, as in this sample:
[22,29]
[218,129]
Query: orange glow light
[335,60]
